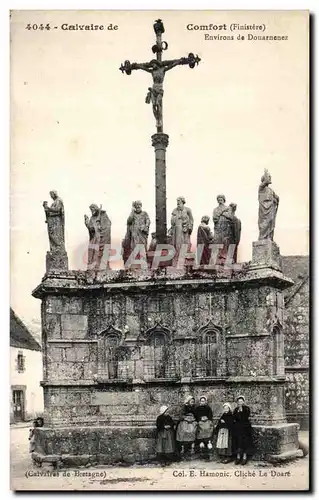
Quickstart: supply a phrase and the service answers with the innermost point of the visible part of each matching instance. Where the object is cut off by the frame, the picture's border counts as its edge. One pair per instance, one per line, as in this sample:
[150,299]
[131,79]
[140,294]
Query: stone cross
[210,306]
[158,68]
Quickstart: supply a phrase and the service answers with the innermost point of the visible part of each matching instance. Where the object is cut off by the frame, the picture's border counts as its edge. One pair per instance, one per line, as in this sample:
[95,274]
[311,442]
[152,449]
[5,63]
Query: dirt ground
[191,475]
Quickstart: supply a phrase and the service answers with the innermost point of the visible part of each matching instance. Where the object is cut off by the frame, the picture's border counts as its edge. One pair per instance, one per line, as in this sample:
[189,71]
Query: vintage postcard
[159,321]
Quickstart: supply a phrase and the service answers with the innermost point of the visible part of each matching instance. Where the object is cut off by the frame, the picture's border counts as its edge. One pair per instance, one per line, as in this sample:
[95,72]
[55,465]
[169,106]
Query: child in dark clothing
[38,422]
[242,431]
[31,436]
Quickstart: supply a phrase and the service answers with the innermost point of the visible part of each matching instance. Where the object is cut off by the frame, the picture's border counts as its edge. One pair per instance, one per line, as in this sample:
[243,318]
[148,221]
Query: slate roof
[20,335]
[296,267]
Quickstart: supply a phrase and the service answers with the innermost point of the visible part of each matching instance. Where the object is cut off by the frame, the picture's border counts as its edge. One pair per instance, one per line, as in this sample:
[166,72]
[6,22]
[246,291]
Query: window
[278,352]
[112,342]
[210,354]
[158,343]
[20,362]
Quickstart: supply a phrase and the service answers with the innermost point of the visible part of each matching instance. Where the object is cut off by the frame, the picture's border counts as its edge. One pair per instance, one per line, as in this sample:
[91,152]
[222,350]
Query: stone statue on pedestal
[205,239]
[99,227]
[181,225]
[236,229]
[151,249]
[223,231]
[55,222]
[138,225]
[268,206]
[56,258]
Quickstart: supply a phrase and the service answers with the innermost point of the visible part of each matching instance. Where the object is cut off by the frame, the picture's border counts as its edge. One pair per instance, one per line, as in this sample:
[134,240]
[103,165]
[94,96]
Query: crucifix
[158,68]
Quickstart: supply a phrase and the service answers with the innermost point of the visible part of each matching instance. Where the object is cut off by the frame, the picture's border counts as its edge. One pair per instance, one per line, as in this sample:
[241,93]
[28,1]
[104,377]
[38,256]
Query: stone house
[25,372]
[296,332]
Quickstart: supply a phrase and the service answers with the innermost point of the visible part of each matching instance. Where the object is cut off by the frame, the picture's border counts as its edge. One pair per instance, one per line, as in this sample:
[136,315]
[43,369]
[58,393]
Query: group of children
[195,432]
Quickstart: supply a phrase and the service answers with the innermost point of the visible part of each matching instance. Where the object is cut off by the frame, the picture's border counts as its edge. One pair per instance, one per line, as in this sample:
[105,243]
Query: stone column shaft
[160,143]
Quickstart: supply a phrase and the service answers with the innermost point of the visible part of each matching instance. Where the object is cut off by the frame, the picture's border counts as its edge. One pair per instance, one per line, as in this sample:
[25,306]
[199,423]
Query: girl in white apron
[224,431]
[165,442]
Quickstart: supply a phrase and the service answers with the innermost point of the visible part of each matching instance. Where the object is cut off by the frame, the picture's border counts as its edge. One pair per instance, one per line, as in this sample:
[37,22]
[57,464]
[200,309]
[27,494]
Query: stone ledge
[246,335]
[79,282]
[103,381]
[284,457]
[248,379]
[296,368]
[72,341]
[63,383]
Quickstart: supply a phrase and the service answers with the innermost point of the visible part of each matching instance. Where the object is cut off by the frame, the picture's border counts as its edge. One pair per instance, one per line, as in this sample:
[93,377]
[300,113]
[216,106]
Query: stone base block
[57,261]
[75,446]
[266,253]
[275,440]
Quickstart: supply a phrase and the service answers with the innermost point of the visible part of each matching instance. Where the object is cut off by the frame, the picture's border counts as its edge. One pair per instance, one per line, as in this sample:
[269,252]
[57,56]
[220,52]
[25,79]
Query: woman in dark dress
[189,406]
[203,410]
[242,431]
[186,435]
[165,442]
[204,417]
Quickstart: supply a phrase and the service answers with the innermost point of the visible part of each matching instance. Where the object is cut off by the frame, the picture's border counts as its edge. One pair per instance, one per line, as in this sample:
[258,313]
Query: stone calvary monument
[119,344]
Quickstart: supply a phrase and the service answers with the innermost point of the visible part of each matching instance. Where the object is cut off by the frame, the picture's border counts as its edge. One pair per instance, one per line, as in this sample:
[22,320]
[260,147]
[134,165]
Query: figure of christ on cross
[155,93]
[158,68]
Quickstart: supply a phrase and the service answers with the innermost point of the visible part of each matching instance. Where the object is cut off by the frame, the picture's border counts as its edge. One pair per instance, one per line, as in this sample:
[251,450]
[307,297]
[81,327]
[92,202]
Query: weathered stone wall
[296,332]
[139,404]
[217,340]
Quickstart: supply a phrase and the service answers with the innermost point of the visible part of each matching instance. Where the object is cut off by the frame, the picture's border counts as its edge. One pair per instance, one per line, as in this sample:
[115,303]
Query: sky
[80,126]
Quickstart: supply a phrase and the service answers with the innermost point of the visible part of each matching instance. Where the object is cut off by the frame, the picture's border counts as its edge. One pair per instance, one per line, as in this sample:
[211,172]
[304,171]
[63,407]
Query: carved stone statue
[138,224]
[55,222]
[126,250]
[204,239]
[99,227]
[236,229]
[151,249]
[268,206]
[222,217]
[181,225]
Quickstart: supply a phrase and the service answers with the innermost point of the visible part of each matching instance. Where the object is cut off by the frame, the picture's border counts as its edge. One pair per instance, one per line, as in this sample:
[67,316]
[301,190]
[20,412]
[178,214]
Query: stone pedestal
[57,261]
[117,346]
[266,253]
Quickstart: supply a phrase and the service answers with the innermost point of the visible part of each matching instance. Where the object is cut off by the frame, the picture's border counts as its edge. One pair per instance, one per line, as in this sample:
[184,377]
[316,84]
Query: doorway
[18,401]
